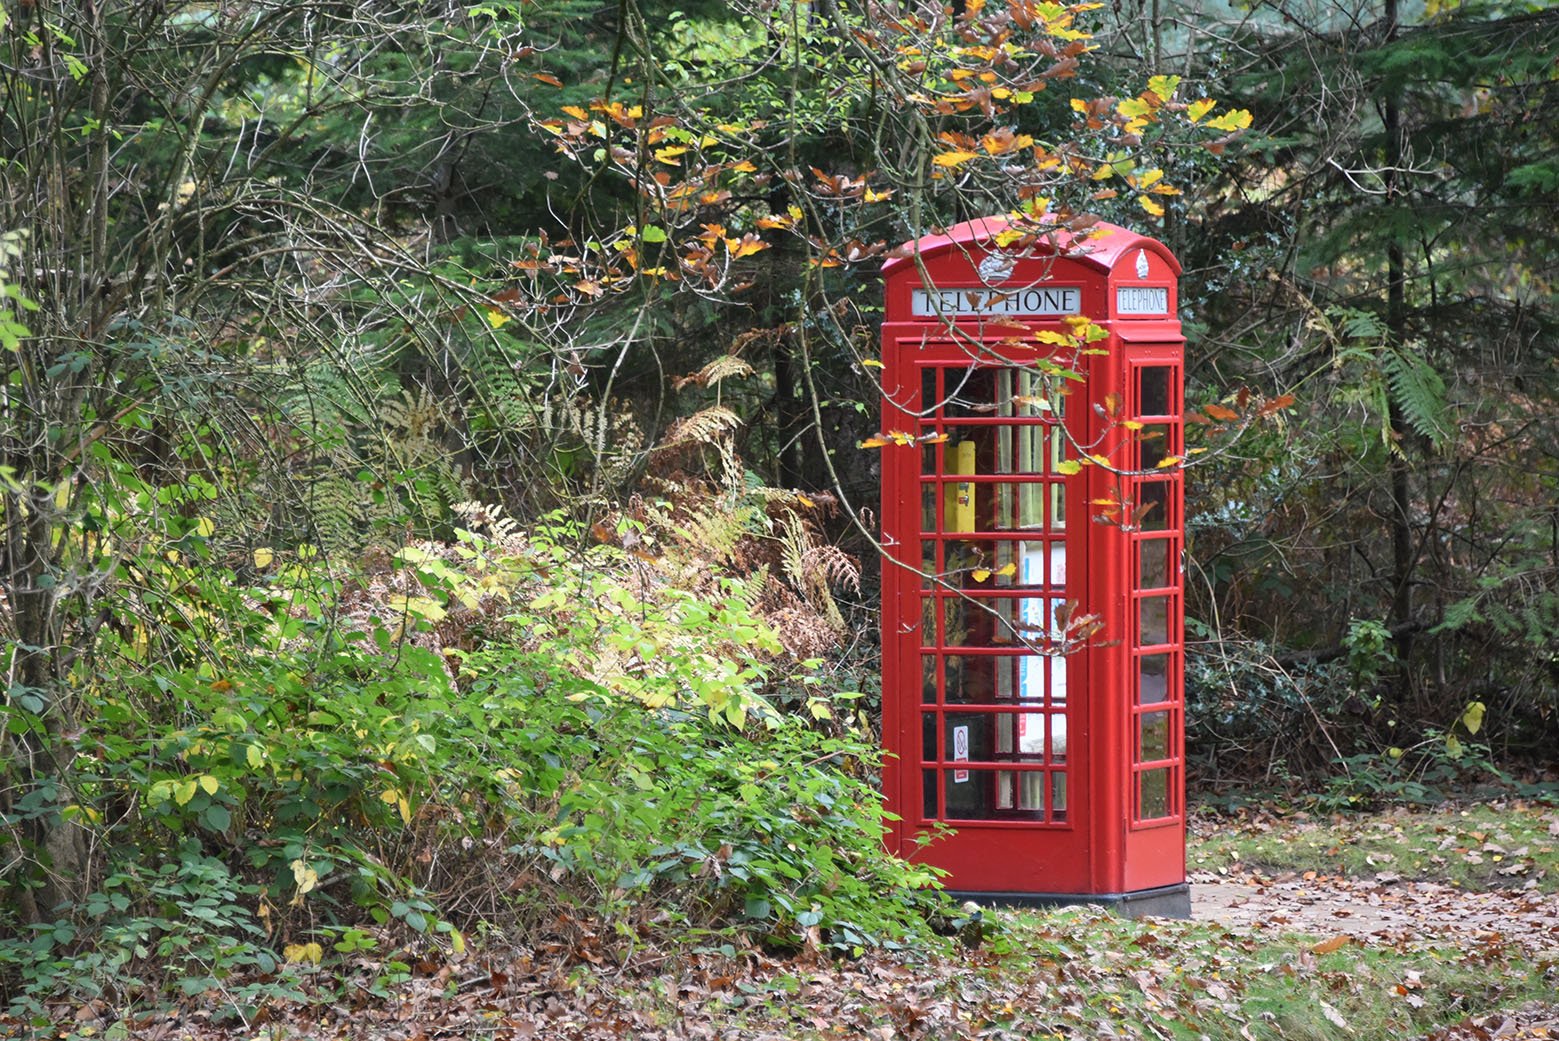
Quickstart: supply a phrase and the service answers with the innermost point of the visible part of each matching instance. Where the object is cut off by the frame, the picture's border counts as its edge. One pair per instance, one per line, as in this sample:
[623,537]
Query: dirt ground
[1390,911]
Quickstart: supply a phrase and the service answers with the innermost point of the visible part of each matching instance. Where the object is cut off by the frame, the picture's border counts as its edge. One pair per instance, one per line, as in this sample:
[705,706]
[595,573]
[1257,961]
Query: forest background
[430,440]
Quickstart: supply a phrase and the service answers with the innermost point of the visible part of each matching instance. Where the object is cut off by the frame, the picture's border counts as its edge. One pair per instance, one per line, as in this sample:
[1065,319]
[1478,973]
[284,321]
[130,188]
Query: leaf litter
[1377,955]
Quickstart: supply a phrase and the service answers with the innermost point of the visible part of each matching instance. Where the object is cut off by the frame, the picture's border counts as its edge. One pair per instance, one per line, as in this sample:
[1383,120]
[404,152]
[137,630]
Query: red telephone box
[1032,593]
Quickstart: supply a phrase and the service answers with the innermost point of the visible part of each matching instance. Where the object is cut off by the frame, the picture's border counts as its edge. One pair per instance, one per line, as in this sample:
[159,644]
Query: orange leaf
[1221,414]
[547,78]
[1336,943]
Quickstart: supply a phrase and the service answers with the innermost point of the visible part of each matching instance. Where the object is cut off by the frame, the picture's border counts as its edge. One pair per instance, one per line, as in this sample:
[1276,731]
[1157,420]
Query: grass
[1496,845]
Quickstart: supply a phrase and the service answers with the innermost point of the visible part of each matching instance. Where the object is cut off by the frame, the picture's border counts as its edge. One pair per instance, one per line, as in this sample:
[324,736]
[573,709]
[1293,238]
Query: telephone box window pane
[1154,727]
[1152,679]
[969,393]
[1155,496]
[1058,738]
[1154,801]
[1057,507]
[1004,789]
[928,671]
[929,398]
[928,565]
[1154,627]
[970,794]
[1153,391]
[1021,734]
[928,509]
[1058,681]
[1031,791]
[1058,797]
[928,737]
[1153,445]
[971,679]
[928,795]
[1153,563]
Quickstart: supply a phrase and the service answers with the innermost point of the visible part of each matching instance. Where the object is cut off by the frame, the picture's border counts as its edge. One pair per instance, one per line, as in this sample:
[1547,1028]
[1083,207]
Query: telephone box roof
[1099,246]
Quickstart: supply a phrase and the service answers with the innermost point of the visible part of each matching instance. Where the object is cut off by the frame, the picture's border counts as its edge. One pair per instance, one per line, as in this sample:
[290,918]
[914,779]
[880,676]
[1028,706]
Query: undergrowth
[535,736]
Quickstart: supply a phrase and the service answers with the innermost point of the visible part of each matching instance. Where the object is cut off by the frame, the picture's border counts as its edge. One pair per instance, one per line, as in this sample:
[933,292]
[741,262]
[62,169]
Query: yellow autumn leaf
[1472,718]
[205,527]
[669,154]
[872,195]
[210,784]
[306,877]
[1068,467]
[497,319]
[1048,336]
[263,557]
[185,791]
[303,952]
[875,441]
[575,111]
[1168,461]
[1134,108]
[1163,86]
[1132,424]
[457,942]
[1232,120]
[1007,570]
[871,363]
[1102,460]
[980,574]
[952,159]
[1197,109]
[1150,205]
[1079,105]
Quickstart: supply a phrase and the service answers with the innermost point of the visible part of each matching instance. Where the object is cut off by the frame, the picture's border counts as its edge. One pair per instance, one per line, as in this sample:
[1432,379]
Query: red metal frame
[1058,761]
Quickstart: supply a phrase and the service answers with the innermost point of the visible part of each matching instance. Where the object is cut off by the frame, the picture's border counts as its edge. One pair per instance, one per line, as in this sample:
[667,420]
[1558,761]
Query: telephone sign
[1032,603]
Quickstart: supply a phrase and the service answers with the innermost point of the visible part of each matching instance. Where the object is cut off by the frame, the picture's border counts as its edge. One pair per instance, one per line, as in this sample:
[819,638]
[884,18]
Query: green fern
[1419,395]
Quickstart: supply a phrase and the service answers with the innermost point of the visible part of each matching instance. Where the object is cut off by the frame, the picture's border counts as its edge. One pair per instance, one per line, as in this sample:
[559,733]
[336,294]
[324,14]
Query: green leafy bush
[505,734]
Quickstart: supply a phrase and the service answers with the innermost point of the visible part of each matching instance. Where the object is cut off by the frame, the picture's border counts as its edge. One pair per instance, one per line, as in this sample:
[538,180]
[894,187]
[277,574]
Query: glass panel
[1152,679]
[1058,681]
[1153,391]
[1155,794]
[1031,791]
[1058,738]
[1154,732]
[994,794]
[1154,495]
[971,679]
[928,737]
[928,671]
[969,393]
[928,794]
[928,510]
[929,637]
[970,794]
[928,395]
[1154,628]
[1058,797]
[1153,563]
[1029,728]
[1153,445]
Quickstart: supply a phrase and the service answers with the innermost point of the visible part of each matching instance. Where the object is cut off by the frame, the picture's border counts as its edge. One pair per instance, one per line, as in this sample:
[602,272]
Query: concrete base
[1164,902]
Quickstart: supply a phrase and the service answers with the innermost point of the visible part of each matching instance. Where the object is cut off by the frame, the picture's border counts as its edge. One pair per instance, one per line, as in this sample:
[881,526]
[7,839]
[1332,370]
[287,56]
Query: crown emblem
[1142,263]
[997,267]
